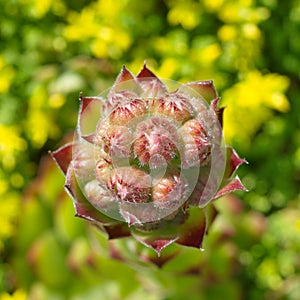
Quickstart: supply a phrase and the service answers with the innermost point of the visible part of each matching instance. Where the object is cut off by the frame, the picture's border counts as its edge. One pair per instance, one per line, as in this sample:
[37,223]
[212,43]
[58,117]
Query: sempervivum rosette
[147,159]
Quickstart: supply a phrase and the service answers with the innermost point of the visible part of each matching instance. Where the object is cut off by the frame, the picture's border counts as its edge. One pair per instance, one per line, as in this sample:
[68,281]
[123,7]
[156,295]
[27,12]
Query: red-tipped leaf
[234,185]
[157,244]
[203,89]
[233,162]
[63,157]
[125,81]
[152,86]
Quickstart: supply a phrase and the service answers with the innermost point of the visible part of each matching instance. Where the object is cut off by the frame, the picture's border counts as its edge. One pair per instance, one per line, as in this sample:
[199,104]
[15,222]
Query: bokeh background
[53,49]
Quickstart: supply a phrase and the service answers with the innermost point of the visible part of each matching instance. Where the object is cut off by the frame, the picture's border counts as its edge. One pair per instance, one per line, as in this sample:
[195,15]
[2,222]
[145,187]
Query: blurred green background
[53,49]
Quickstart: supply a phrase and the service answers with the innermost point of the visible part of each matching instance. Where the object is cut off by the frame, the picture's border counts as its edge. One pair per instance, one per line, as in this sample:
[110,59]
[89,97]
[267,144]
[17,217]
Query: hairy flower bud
[195,142]
[155,140]
[129,184]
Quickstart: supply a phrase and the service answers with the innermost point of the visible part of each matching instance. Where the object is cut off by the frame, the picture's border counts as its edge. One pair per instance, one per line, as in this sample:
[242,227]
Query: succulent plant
[148,158]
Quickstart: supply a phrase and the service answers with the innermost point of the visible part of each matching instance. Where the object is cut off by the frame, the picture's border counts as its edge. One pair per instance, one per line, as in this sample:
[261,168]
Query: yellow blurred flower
[82,25]
[7,75]
[184,13]
[227,33]
[17,295]
[104,45]
[168,68]
[38,9]
[57,100]
[9,210]
[210,53]
[41,7]
[229,12]
[250,103]
[99,25]
[110,9]
[213,6]
[241,36]
[99,48]
[3,186]
[39,125]
[251,31]
[242,11]
[297,225]
[10,144]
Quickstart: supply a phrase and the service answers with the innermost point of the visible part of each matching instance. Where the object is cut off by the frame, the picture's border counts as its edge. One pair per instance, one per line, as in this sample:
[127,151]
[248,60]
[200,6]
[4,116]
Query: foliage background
[53,49]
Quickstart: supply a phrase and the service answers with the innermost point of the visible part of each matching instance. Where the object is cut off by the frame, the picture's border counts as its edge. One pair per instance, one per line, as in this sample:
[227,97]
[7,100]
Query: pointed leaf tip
[86,101]
[151,85]
[124,75]
[234,161]
[63,157]
[157,239]
[204,89]
[157,245]
[234,185]
[125,81]
[146,73]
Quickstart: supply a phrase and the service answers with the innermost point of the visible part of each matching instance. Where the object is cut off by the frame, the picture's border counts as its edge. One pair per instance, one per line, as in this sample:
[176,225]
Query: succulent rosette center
[155,141]
[144,153]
